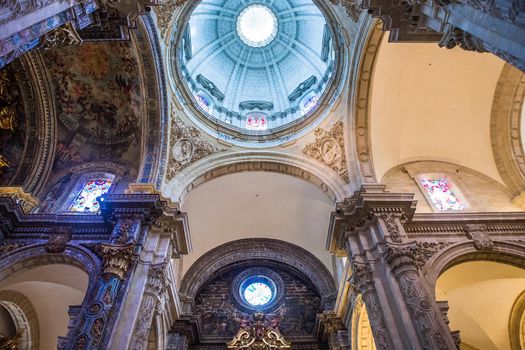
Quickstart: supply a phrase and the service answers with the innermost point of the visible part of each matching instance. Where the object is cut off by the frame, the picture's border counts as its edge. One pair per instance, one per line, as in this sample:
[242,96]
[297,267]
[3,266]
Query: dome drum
[264,90]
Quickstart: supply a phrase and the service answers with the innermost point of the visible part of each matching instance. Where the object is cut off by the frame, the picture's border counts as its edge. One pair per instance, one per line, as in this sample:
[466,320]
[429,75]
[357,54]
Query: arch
[281,252]
[511,253]
[362,337]
[230,163]
[155,129]
[517,323]
[358,129]
[25,258]
[505,131]
[24,316]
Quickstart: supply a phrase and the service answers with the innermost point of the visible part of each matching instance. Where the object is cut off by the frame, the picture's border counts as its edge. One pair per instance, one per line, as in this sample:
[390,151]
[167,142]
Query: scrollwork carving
[329,148]
[390,220]
[186,146]
[352,7]
[65,35]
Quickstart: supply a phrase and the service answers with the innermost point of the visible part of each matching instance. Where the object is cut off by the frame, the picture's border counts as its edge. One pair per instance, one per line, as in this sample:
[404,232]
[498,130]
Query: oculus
[258,289]
[258,293]
[257,25]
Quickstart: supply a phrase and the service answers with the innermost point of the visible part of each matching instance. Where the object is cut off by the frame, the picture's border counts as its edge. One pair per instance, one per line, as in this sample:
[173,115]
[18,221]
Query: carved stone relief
[58,240]
[352,7]
[186,146]
[329,148]
[479,236]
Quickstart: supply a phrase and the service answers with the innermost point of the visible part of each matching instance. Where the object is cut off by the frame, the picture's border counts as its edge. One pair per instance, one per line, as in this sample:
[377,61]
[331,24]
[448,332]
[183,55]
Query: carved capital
[116,258]
[361,278]
[390,220]
[330,323]
[157,279]
[58,239]
[401,258]
[479,236]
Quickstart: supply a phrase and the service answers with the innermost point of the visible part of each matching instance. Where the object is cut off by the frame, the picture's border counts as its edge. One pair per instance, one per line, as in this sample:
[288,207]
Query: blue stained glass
[87,199]
[258,293]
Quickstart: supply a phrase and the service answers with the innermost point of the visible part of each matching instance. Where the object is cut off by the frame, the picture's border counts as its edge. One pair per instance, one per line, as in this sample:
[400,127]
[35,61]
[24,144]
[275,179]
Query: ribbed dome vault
[256,67]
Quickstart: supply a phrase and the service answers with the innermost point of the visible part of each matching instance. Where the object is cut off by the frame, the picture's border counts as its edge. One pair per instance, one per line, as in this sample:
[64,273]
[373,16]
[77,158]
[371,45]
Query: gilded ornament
[329,149]
[65,35]
[259,333]
[117,258]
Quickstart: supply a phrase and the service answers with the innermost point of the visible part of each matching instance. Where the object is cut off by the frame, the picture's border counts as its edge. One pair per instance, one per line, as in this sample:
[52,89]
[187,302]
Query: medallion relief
[329,149]
[186,146]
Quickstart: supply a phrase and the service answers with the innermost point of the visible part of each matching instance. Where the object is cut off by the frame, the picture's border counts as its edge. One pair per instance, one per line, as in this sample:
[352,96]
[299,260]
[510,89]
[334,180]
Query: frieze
[186,147]
[329,149]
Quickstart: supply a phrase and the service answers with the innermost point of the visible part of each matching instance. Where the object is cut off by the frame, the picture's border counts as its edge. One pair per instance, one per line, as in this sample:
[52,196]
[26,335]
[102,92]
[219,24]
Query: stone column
[177,341]
[152,303]
[385,270]
[98,314]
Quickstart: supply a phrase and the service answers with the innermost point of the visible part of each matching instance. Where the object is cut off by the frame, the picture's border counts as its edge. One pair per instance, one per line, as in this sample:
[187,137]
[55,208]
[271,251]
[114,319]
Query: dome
[256,70]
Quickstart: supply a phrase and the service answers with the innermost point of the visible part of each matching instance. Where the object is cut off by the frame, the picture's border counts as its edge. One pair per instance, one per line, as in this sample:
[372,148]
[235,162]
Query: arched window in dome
[256,121]
[204,101]
[86,201]
[441,192]
[308,103]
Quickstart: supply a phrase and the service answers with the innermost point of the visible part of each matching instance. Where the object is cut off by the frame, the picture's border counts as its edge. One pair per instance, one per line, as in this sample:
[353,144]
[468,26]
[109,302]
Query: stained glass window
[441,194]
[256,121]
[258,293]
[87,199]
[309,104]
[204,102]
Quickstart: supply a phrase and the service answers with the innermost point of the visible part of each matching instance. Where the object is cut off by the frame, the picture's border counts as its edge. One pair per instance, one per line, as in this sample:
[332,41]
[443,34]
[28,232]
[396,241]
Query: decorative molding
[186,147]
[26,201]
[329,148]
[353,8]
[64,35]
[58,239]
[457,37]
[478,234]
[390,220]
[165,12]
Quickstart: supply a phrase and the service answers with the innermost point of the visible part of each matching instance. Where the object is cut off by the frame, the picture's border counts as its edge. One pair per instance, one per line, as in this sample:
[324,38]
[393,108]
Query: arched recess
[506,127]
[230,163]
[480,295]
[24,317]
[31,136]
[51,282]
[478,191]
[252,251]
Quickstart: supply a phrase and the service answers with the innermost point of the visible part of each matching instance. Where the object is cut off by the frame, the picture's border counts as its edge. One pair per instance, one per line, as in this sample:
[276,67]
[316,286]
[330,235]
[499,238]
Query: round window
[258,289]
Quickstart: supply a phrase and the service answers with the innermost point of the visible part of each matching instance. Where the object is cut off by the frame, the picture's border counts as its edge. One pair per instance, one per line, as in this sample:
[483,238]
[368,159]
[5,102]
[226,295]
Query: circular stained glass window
[258,293]
[257,25]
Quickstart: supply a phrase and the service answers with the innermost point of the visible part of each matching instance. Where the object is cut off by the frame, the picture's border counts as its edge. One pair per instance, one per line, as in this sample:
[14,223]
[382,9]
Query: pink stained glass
[256,121]
[87,199]
[441,194]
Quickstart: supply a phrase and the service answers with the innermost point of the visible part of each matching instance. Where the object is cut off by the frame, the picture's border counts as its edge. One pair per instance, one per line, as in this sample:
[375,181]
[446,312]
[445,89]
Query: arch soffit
[252,249]
[262,161]
[358,125]
[32,256]
[507,147]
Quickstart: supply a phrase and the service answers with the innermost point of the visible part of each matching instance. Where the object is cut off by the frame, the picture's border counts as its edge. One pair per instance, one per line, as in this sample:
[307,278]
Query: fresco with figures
[12,125]
[99,103]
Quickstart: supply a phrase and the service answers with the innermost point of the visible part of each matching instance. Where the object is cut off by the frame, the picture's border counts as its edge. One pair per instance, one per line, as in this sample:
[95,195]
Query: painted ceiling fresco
[99,103]
[12,125]
[221,318]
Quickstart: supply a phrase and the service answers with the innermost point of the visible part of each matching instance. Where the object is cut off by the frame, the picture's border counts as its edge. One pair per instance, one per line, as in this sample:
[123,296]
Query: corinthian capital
[116,258]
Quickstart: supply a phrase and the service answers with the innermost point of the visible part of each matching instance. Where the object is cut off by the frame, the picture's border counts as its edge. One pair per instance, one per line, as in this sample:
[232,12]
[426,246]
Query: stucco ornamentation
[329,148]
[186,146]
[352,7]
[259,333]
[65,35]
